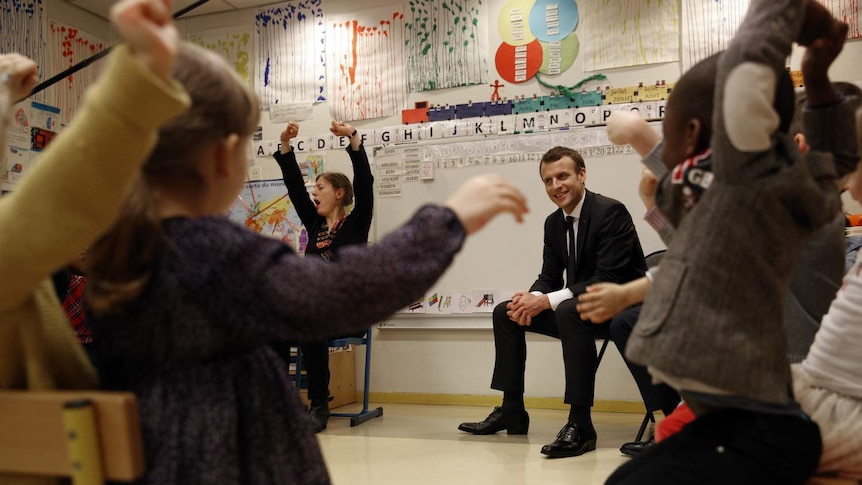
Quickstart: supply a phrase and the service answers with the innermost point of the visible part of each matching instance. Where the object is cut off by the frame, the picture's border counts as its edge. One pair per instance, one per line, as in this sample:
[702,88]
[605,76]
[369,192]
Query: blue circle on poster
[553,20]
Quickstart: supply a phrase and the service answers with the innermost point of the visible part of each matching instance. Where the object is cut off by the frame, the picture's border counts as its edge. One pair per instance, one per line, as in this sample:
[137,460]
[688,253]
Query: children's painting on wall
[622,33]
[365,64]
[22,30]
[233,44]
[289,45]
[446,41]
[68,46]
[313,166]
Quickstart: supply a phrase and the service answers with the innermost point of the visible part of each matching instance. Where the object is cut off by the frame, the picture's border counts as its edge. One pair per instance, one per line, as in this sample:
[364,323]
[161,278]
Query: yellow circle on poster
[558,57]
[513,22]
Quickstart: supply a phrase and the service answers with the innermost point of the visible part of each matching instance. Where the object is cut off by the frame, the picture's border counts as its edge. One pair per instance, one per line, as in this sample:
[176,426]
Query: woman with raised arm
[324,213]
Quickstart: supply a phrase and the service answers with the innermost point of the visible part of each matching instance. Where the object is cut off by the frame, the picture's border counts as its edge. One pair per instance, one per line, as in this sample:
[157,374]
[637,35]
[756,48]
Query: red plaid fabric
[73,305]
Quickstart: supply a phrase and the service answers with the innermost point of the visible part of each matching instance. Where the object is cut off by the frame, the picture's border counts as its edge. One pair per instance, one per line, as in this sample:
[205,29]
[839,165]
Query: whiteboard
[504,255]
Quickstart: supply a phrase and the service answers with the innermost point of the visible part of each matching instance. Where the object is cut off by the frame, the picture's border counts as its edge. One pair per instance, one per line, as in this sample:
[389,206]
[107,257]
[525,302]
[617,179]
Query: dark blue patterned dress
[217,405]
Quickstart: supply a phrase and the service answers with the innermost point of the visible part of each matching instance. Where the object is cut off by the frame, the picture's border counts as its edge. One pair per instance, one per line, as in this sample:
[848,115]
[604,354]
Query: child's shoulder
[208,235]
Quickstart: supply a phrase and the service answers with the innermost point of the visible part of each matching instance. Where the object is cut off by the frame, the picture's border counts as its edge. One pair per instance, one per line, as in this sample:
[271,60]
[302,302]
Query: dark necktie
[572,256]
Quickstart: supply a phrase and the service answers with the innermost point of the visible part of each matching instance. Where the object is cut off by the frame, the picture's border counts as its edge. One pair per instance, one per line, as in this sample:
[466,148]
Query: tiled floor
[420,444]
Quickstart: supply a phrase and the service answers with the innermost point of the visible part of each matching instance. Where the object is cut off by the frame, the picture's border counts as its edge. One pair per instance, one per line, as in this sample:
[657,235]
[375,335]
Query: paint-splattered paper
[446,43]
[233,44]
[365,64]
[707,27]
[22,31]
[848,12]
[289,40]
[620,33]
[67,46]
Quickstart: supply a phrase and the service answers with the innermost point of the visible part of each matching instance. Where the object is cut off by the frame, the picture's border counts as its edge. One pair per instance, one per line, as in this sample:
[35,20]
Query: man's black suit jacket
[608,247]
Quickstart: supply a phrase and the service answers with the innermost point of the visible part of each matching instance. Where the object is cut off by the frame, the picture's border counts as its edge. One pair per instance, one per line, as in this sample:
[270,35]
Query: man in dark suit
[606,248]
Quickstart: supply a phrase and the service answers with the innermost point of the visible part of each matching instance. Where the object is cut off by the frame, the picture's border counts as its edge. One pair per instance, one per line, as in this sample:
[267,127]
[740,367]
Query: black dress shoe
[635,447]
[572,440]
[517,422]
[319,417]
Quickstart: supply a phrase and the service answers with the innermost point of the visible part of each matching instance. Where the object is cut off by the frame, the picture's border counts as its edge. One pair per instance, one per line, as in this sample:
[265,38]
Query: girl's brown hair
[222,104]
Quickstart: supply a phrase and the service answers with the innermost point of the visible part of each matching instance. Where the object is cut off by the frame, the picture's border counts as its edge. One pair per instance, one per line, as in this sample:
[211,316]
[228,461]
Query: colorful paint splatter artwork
[289,41]
[22,31]
[69,46]
[622,33]
[234,45]
[366,64]
[445,43]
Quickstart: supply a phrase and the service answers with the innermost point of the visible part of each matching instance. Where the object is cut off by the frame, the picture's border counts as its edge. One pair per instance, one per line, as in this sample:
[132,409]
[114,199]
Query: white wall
[461,361]
[69,14]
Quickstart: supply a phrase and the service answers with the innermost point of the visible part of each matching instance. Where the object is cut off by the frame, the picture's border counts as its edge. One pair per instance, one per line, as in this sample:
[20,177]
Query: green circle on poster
[558,57]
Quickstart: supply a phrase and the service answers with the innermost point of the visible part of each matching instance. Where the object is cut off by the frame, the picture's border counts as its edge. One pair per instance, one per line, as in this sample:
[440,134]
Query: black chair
[602,353]
[648,418]
[652,260]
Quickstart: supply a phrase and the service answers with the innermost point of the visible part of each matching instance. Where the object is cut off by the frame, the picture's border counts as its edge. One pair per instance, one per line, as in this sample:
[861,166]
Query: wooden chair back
[88,436]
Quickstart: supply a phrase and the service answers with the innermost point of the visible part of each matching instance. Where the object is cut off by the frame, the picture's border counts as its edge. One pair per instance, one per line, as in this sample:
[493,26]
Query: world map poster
[263,206]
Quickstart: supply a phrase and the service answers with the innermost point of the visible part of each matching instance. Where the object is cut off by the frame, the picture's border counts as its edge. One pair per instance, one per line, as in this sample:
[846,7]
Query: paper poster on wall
[44,124]
[538,37]
[439,302]
[44,116]
[707,27]
[625,33]
[463,302]
[389,171]
[848,11]
[22,31]
[484,301]
[264,207]
[446,41]
[415,307]
[67,46]
[313,166]
[365,64]
[16,162]
[290,111]
[18,131]
[233,44]
[289,46]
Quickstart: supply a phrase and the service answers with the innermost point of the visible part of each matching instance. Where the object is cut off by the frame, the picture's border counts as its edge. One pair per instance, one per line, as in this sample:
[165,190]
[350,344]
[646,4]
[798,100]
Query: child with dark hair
[708,328]
[818,271]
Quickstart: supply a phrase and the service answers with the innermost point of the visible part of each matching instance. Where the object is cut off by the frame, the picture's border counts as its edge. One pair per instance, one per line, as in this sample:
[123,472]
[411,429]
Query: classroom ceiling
[102,7]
